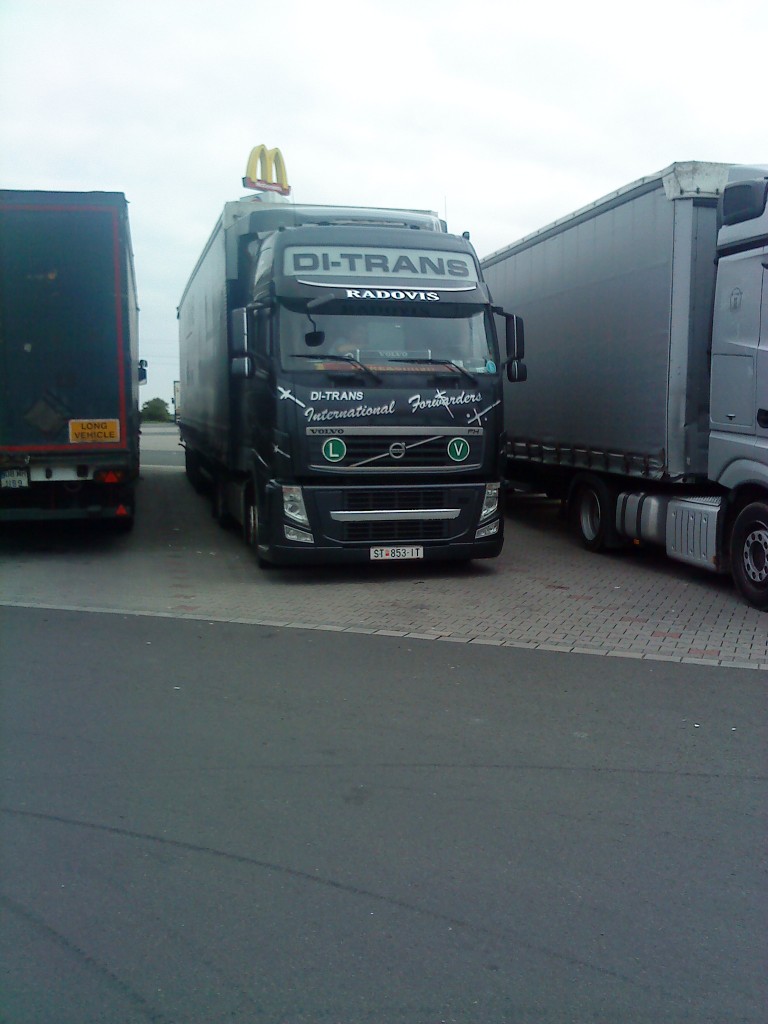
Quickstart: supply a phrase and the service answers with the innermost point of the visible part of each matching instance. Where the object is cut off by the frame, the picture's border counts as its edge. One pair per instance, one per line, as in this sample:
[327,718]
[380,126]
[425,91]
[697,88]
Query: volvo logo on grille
[397,449]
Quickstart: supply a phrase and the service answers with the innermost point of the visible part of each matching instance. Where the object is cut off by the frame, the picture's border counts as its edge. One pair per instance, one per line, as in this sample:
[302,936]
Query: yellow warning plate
[90,431]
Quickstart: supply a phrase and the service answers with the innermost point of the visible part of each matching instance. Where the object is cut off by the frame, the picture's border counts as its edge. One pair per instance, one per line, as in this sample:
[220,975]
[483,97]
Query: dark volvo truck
[69,366]
[341,384]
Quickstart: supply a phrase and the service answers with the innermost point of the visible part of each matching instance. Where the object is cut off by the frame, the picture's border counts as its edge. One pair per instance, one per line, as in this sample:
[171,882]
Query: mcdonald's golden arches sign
[266,171]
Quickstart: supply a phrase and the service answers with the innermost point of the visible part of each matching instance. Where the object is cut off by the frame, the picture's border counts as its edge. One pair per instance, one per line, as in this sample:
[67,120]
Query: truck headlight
[293,505]
[490,502]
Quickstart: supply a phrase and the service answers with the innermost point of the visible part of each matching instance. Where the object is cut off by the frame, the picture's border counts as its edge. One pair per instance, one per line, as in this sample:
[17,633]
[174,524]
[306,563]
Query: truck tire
[123,524]
[219,509]
[593,510]
[192,469]
[251,524]
[749,554]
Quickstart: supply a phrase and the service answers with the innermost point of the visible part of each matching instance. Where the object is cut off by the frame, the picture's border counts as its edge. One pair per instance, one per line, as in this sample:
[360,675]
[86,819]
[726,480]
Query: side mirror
[517,371]
[515,336]
[313,339]
[142,371]
[239,330]
[242,367]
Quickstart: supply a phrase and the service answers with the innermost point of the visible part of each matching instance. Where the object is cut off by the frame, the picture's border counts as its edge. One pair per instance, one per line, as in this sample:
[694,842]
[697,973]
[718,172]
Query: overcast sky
[500,116]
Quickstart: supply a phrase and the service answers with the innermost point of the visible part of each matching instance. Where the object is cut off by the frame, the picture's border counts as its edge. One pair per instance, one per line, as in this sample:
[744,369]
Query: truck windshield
[387,342]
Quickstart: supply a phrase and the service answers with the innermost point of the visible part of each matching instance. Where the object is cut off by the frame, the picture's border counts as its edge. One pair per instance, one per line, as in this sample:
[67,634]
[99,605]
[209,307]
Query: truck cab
[739,390]
[361,417]
[738,450]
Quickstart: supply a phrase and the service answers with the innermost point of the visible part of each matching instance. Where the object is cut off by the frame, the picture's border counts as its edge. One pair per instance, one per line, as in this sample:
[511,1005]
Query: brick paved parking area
[545,591]
[635,603]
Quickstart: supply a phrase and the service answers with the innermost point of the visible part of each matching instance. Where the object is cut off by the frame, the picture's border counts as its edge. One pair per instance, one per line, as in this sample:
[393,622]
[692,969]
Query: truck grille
[396,533]
[397,450]
[396,515]
[395,499]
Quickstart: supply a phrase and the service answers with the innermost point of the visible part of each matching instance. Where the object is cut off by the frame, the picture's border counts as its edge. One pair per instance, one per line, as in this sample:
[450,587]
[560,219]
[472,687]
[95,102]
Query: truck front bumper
[433,522]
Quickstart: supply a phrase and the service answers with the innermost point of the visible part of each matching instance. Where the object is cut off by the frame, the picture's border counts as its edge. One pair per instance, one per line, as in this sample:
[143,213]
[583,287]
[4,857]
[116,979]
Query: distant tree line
[155,411]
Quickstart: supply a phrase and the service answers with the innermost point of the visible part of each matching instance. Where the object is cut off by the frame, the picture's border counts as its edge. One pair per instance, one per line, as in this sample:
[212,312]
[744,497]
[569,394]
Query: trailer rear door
[62,368]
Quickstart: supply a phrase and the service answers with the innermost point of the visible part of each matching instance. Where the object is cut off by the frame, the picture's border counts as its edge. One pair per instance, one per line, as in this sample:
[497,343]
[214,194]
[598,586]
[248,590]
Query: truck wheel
[219,509]
[251,520]
[594,514]
[749,554]
[192,469]
[123,524]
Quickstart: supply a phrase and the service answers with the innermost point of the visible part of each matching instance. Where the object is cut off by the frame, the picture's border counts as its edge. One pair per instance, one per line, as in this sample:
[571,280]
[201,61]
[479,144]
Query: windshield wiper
[340,359]
[439,362]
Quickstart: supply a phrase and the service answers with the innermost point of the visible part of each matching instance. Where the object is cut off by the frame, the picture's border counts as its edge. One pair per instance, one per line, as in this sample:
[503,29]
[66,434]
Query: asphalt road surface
[381,818]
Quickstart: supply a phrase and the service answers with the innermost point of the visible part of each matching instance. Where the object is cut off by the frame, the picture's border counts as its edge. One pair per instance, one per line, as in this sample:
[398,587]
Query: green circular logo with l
[458,449]
[334,449]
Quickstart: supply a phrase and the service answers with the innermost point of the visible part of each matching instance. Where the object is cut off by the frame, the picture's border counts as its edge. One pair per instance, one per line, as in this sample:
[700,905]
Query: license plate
[392,553]
[14,478]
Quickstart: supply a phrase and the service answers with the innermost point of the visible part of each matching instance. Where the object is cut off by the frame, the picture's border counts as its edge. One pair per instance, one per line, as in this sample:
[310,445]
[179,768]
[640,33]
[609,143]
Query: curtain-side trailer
[646,407]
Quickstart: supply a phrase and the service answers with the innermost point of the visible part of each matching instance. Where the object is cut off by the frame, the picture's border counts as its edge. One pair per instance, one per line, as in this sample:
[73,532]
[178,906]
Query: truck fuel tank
[686,527]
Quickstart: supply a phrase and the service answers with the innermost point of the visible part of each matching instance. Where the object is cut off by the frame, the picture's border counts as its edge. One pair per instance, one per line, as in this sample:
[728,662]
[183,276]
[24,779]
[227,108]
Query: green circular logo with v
[458,449]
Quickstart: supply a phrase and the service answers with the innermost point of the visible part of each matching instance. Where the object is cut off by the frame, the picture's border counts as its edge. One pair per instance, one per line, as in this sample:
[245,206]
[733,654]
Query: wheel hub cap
[590,517]
[756,555]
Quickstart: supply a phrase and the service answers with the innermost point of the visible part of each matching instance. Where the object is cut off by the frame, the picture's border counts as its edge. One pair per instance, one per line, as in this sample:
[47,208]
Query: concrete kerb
[400,634]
